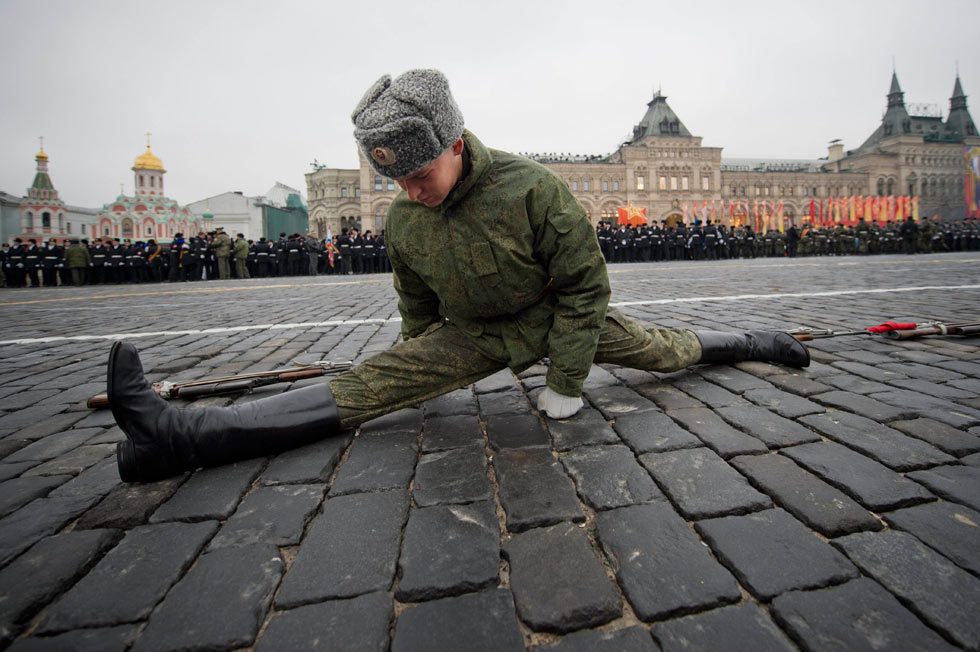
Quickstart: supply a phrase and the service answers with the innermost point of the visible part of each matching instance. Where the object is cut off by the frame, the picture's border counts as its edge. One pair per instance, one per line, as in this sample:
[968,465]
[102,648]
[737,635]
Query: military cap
[403,124]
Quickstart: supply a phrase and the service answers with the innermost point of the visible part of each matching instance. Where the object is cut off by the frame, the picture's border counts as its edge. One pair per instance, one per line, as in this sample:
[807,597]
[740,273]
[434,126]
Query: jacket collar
[480,161]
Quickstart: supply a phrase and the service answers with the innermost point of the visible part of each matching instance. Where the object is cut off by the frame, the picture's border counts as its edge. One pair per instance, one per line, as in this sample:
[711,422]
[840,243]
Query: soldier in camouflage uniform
[496,266]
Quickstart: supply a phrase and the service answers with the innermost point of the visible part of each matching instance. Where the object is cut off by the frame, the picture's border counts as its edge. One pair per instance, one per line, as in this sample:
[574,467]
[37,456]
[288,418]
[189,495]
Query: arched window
[881,187]
[379,218]
[141,181]
[29,222]
[45,220]
[377,182]
[891,187]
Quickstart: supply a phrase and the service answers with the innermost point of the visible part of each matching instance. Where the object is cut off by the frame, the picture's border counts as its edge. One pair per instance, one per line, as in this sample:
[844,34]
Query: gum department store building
[663,168]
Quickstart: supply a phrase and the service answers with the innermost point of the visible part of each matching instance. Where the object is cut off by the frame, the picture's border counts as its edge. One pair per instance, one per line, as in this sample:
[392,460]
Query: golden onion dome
[148,161]
[41,156]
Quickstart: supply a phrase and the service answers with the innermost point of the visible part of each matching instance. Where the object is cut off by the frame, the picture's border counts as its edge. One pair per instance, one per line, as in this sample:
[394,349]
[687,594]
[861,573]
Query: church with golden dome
[148,213]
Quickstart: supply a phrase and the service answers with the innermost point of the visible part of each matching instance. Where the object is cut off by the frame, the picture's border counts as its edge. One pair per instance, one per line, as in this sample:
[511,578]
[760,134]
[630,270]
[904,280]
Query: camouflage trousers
[444,358]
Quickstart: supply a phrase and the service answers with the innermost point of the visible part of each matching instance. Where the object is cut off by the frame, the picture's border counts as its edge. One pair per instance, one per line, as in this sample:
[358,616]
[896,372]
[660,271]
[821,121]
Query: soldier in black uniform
[294,249]
[370,253]
[710,234]
[51,258]
[4,264]
[154,260]
[681,251]
[263,257]
[32,262]
[384,265]
[357,251]
[282,250]
[344,246]
[175,253]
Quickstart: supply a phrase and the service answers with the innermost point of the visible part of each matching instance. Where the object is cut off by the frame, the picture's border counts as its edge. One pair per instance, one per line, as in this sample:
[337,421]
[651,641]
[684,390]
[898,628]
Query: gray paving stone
[870,372]
[508,402]
[457,475]
[923,371]
[617,400]
[942,594]
[965,367]
[408,420]
[16,493]
[476,622]
[631,377]
[628,639]
[732,379]
[558,584]
[705,392]
[377,461]
[653,431]
[971,385]
[798,383]
[772,429]
[662,567]
[870,483]
[953,530]
[739,627]
[923,357]
[30,415]
[855,384]
[864,405]
[104,639]
[858,615]
[442,433]
[586,428]
[599,377]
[702,484]
[37,519]
[54,445]
[960,484]
[667,396]
[782,403]
[533,490]
[972,460]
[50,425]
[131,579]
[456,403]
[210,494]
[886,445]
[97,480]
[713,431]
[771,552]
[943,436]
[275,515]
[12,444]
[96,419]
[233,585]
[11,471]
[762,369]
[449,550]
[360,623]
[955,414]
[501,381]
[516,431]
[938,390]
[42,573]
[609,476]
[75,461]
[811,500]
[27,398]
[350,549]
[129,505]
[308,464]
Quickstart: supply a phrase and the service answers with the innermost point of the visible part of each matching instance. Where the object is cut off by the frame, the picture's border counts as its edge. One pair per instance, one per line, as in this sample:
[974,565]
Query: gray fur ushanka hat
[403,124]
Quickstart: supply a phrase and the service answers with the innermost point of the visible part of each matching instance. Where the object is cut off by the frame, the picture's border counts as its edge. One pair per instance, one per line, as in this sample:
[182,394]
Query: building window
[69,227]
[45,220]
[153,182]
[789,191]
[704,183]
[83,229]
[141,181]
[616,186]
[684,183]
[806,191]
[377,182]
[639,183]
[673,183]
[605,186]
[391,184]
[343,191]
[663,183]
[585,186]
[574,185]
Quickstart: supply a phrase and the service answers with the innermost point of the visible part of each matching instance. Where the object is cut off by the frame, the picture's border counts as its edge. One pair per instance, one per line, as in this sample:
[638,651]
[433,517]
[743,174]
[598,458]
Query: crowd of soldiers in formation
[713,241]
[206,256]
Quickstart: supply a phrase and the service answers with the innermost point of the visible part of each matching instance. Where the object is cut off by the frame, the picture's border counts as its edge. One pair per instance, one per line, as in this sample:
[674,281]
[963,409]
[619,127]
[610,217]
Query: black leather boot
[765,346]
[163,441]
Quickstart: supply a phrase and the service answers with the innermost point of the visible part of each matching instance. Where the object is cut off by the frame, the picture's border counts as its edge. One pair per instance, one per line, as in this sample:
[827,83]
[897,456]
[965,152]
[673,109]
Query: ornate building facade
[148,213]
[664,169]
[43,215]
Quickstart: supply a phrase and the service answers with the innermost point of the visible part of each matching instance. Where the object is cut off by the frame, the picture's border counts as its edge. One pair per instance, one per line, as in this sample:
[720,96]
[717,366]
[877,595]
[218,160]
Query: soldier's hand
[558,406]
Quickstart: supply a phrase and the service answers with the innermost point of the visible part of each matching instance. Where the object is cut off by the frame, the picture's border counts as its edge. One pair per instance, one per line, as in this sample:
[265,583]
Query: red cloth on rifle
[891,326]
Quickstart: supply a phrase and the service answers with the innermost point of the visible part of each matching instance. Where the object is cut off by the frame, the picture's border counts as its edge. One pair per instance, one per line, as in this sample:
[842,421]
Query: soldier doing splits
[496,265]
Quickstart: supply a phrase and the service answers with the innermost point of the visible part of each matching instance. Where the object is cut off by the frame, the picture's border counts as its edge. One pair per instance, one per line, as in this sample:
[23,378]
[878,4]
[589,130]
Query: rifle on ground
[893,330]
[236,384]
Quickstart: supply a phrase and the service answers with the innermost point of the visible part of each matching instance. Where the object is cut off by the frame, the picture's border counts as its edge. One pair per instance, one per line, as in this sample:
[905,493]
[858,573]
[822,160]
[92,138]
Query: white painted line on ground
[358,322]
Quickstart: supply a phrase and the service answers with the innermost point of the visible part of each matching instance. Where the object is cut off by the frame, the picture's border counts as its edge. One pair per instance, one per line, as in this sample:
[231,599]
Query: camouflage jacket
[511,259]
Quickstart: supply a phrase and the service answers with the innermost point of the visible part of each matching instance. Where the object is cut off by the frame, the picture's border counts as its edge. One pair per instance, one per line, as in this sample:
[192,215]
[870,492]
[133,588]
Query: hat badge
[383,156]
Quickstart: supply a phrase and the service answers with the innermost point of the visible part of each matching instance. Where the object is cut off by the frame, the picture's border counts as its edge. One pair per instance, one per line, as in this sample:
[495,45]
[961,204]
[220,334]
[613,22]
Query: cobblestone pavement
[748,507]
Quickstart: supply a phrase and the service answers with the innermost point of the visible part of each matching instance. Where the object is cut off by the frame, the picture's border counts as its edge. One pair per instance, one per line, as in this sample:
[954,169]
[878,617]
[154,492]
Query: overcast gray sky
[239,95]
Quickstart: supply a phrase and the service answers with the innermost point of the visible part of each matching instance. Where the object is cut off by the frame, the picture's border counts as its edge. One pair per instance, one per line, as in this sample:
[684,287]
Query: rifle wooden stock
[232,384]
